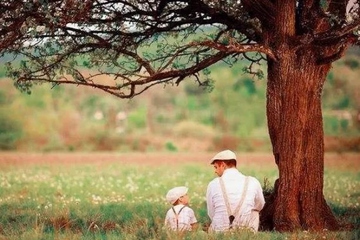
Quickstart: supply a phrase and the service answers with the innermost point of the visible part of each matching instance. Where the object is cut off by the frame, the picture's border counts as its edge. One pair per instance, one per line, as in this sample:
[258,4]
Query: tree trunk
[296,132]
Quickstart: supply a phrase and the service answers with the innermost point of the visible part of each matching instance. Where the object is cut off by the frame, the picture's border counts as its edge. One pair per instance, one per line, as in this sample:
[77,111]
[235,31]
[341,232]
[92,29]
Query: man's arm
[209,202]
[259,197]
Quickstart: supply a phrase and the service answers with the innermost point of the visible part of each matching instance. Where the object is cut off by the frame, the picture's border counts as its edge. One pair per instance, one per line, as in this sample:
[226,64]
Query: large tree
[142,43]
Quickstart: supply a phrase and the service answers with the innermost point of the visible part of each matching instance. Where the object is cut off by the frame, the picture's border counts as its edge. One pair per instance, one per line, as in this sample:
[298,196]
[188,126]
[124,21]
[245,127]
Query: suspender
[177,216]
[232,216]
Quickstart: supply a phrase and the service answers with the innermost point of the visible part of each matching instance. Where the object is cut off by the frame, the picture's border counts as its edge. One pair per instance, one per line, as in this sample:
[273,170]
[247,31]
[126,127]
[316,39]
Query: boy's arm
[193,220]
[166,222]
[194,226]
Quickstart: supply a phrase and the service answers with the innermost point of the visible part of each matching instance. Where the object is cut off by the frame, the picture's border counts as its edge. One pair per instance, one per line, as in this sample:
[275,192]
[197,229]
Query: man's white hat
[224,155]
[175,193]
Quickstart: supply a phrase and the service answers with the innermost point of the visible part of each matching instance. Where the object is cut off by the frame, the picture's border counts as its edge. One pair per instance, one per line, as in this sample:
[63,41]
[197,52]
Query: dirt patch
[345,161]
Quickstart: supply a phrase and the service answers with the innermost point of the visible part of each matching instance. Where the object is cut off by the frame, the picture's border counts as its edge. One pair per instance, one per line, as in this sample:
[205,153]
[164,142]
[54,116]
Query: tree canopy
[142,43]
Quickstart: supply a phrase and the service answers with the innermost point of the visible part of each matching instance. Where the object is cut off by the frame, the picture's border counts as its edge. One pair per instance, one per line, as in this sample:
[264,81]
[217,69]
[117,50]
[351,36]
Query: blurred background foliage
[170,118]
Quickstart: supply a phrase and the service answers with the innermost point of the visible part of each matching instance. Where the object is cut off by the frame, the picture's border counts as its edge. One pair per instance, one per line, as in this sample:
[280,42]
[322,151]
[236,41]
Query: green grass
[117,201]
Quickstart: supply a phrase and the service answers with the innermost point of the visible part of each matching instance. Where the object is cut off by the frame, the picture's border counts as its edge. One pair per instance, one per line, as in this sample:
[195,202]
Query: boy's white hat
[224,155]
[175,193]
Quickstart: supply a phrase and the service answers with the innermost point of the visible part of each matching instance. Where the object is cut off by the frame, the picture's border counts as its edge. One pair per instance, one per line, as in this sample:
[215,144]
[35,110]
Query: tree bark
[296,131]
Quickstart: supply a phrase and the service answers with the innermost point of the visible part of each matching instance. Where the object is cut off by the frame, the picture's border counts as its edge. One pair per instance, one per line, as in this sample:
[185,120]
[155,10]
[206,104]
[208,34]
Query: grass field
[122,196]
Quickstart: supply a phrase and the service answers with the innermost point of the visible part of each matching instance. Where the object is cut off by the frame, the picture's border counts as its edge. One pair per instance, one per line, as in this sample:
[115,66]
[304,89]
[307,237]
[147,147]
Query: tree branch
[234,47]
[337,8]
[264,10]
[336,35]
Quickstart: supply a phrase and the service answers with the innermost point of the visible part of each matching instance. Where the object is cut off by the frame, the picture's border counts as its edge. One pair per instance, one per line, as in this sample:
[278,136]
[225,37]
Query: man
[233,199]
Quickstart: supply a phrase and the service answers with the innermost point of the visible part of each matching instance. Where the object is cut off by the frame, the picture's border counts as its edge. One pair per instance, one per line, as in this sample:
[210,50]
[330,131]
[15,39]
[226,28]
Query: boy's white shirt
[185,218]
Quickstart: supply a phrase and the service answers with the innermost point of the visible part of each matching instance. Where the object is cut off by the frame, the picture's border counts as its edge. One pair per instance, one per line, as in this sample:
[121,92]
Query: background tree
[143,43]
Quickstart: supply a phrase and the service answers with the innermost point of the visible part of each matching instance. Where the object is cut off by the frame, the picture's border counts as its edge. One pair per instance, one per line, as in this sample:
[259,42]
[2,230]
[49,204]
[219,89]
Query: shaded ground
[344,161]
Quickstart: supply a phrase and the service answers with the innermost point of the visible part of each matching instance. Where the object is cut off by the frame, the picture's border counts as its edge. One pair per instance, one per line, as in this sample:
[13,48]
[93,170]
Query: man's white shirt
[234,182]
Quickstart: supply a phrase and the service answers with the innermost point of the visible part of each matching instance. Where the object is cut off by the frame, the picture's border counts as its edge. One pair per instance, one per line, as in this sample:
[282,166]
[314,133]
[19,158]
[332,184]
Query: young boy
[180,217]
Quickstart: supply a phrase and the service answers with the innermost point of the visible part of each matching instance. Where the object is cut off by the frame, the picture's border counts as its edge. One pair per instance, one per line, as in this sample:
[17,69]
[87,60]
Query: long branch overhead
[126,88]
[171,40]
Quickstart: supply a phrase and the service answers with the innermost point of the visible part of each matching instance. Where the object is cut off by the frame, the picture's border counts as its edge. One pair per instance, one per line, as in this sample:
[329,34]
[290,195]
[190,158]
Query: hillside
[183,118]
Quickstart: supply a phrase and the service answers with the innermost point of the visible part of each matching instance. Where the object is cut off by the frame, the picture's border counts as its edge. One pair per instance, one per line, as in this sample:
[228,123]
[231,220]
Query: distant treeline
[183,118]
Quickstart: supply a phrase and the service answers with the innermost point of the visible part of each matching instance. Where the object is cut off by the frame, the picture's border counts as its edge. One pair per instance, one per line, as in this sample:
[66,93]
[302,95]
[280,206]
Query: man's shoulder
[214,181]
[254,180]
[251,178]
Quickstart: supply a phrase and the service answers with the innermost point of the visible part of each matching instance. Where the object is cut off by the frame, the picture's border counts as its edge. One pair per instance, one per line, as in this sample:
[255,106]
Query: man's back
[234,183]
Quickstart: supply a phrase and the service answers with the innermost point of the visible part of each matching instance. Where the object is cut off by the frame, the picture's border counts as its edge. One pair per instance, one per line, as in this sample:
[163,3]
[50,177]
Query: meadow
[122,195]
